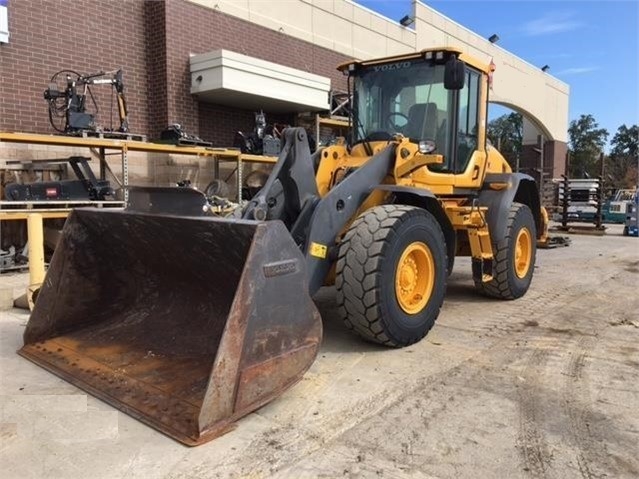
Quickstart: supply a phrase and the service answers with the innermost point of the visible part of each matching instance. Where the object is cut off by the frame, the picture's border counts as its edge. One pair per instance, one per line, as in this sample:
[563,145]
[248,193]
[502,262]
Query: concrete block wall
[145,169]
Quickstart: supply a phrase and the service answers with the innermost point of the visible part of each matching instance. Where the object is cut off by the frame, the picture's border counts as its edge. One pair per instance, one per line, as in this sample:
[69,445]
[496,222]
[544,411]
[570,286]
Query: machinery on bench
[68,94]
[86,187]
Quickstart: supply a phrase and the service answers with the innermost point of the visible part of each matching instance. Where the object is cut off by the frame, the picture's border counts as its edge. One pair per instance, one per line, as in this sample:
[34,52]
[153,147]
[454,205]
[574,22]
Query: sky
[592,45]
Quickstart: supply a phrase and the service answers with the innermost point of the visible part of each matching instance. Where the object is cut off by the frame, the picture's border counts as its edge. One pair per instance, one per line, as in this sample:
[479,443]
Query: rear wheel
[514,256]
[391,274]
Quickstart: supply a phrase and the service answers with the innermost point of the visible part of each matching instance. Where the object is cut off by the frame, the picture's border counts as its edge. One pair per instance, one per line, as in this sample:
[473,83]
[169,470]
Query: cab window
[468,120]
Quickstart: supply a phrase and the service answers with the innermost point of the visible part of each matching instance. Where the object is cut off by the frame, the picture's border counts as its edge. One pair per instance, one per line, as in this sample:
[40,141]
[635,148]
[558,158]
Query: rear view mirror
[455,74]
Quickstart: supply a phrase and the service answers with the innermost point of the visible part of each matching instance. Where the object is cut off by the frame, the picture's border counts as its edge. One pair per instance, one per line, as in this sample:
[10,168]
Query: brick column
[554,159]
[155,58]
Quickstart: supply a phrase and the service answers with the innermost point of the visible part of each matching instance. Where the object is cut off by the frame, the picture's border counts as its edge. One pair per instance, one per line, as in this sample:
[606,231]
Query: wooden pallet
[113,135]
[581,230]
[185,142]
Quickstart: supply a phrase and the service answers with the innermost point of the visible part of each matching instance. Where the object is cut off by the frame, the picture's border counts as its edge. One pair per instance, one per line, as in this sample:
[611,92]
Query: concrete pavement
[545,386]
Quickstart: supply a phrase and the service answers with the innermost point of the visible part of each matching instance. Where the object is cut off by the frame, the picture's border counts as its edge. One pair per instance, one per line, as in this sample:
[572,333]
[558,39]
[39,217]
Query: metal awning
[232,79]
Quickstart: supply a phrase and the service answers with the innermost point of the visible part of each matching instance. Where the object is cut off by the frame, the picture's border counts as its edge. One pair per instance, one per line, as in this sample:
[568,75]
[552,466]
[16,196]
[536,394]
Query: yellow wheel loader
[188,321]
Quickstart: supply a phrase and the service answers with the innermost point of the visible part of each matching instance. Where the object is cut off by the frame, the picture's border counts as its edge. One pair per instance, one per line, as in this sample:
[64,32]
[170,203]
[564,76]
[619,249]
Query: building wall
[339,25]
[156,61]
[192,28]
[350,28]
[152,40]
[84,35]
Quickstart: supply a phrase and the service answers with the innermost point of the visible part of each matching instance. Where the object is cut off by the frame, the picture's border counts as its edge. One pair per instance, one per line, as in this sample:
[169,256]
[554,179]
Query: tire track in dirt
[574,390]
[575,397]
[531,439]
[591,454]
[577,405]
[513,326]
[533,309]
[514,339]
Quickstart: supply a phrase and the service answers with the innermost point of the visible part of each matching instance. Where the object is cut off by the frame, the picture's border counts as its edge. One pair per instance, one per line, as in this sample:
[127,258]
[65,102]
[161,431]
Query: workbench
[103,145]
[35,212]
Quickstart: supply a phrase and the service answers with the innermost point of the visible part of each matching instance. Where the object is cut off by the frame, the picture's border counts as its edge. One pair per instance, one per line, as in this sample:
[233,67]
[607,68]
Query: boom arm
[113,78]
[290,194]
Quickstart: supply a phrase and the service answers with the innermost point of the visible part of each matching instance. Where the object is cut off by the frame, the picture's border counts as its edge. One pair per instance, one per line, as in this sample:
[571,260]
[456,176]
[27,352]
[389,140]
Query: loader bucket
[184,323]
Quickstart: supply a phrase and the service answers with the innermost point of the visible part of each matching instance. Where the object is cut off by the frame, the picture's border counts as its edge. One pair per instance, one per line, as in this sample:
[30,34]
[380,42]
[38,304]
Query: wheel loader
[188,321]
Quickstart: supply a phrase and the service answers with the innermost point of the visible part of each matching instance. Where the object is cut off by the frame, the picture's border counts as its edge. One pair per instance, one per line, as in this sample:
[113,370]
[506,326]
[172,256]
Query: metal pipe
[35,237]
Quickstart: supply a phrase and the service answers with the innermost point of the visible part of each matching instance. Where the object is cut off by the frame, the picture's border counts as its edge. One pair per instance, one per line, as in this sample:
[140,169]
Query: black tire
[366,268]
[217,188]
[506,284]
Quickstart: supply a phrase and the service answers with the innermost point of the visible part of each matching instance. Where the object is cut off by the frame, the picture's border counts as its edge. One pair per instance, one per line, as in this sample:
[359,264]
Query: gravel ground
[545,386]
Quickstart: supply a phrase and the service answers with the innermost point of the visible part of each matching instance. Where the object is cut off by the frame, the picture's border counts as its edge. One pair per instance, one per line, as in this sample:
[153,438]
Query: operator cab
[432,98]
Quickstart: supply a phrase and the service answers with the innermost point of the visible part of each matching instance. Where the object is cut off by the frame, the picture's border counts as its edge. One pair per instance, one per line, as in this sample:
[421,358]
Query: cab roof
[468,59]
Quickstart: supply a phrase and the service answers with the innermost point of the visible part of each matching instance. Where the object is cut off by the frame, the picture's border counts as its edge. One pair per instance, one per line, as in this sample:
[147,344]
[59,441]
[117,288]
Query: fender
[498,193]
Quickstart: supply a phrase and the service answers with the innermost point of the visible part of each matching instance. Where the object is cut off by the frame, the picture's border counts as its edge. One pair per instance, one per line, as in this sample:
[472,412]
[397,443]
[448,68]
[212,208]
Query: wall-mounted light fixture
[494,38]
[545,68]
[406,20]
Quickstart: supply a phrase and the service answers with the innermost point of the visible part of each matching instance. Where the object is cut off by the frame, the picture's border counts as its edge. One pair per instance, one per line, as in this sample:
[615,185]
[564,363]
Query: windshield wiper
[354,113]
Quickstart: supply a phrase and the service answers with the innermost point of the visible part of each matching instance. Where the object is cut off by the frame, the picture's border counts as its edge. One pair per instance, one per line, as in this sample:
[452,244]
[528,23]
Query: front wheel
[391,274]
[514,256]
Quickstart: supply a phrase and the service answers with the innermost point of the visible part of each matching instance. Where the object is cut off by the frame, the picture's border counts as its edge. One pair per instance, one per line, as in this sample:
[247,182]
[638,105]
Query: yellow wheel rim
[414,278]
[523,252]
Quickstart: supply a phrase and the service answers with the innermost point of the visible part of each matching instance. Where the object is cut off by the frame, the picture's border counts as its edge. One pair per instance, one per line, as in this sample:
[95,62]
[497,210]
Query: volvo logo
[391,66]
[280,268]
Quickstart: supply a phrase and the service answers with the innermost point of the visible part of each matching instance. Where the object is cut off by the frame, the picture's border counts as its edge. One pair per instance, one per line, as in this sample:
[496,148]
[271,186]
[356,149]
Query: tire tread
[358,270]
[499,286]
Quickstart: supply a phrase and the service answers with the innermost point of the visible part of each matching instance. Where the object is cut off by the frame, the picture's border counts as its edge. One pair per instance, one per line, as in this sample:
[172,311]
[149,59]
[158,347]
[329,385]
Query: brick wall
[218,123]
[155,32]
[554,159]
[151,40]
[193,29]
[83,35]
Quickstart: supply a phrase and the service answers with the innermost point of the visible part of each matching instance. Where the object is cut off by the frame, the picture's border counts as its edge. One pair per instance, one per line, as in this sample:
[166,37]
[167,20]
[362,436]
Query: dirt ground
[545,387]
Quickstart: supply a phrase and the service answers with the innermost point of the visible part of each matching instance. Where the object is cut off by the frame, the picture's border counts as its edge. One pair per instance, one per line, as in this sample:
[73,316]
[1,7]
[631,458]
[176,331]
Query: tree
[506,134]
[586,141]
[621,165]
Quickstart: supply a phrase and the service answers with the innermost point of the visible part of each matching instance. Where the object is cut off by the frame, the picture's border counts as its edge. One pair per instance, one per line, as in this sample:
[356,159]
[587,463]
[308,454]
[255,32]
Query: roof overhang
[228,78]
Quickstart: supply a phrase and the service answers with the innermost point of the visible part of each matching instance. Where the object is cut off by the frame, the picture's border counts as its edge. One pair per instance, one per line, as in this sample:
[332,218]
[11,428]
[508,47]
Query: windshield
[404,97]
